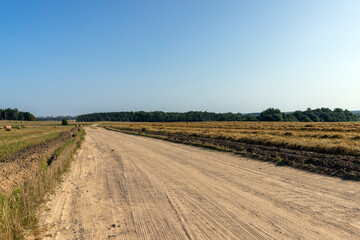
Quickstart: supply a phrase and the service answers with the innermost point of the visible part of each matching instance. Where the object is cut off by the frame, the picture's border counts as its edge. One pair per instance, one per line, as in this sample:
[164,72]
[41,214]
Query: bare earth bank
[130,187]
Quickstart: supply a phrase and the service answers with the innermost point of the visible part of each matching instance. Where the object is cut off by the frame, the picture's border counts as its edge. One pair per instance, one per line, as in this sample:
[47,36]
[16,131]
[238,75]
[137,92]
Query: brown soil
[123,186]
[18,167]
[343,166]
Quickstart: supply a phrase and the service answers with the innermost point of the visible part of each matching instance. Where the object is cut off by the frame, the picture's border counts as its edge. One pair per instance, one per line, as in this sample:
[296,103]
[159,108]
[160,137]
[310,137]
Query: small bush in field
[64,122]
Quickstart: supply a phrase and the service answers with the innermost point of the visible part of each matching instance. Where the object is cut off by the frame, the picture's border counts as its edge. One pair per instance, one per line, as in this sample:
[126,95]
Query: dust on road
[130,187]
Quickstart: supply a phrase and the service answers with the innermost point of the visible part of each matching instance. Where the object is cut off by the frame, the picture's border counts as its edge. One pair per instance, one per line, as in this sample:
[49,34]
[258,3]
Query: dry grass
[30,133]
[334,138]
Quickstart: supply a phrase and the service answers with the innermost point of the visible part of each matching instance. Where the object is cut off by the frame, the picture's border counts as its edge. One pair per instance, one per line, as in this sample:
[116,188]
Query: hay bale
[19,127]
[8,128]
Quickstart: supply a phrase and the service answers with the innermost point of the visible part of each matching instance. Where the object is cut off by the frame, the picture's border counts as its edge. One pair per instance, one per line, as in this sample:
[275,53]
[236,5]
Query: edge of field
[19,209]
[342,166]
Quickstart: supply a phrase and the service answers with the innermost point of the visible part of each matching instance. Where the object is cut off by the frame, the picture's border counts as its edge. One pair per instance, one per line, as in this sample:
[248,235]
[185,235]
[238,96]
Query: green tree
[64,122]
[271,114]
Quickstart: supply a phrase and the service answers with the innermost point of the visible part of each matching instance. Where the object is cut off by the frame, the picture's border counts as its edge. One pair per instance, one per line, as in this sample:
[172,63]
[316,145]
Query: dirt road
[129,187]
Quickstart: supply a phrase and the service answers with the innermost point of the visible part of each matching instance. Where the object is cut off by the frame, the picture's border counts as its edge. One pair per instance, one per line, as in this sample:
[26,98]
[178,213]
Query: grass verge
[19,210]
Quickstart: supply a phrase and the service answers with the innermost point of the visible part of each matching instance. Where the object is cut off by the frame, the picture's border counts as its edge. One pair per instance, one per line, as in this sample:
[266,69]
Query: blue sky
[73,57]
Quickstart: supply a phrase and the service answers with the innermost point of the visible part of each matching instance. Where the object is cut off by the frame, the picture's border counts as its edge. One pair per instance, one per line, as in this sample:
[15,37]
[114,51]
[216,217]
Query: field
[158,189]
[31,133]
[329,148]
[20,147]
[32,160]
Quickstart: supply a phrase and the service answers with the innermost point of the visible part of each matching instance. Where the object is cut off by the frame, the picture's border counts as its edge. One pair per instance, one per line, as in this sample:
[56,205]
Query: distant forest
[271,114]
[14,114]
[56,118]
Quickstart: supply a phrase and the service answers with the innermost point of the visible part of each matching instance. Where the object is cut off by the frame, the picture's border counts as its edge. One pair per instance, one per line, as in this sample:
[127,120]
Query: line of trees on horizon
[56,118]
[15,114]
[271,114]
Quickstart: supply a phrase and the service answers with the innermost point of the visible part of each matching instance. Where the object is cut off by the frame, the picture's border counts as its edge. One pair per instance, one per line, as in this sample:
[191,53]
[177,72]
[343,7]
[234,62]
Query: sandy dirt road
[130,187]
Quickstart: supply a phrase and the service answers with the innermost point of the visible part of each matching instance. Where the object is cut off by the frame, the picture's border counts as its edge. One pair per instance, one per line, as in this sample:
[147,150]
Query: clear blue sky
[73,57]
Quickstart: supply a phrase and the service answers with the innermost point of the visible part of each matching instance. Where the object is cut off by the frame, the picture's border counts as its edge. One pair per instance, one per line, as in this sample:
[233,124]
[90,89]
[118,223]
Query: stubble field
[30,134]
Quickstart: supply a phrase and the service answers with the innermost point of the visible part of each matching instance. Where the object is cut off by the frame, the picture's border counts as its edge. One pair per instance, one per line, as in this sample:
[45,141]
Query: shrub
[64,122]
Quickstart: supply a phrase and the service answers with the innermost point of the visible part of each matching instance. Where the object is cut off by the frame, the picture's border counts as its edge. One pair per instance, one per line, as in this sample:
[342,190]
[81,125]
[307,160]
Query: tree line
[15,114]
[158,116]
[271,114]
[316,115]
[56,118]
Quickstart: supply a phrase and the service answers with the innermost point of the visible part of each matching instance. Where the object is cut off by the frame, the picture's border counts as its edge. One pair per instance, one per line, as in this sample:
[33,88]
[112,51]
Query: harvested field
[21,149]
[15,169]
[29,135]
[328,148]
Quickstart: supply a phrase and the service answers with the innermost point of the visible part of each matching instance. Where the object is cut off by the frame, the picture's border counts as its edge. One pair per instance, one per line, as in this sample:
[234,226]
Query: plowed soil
[130,187]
